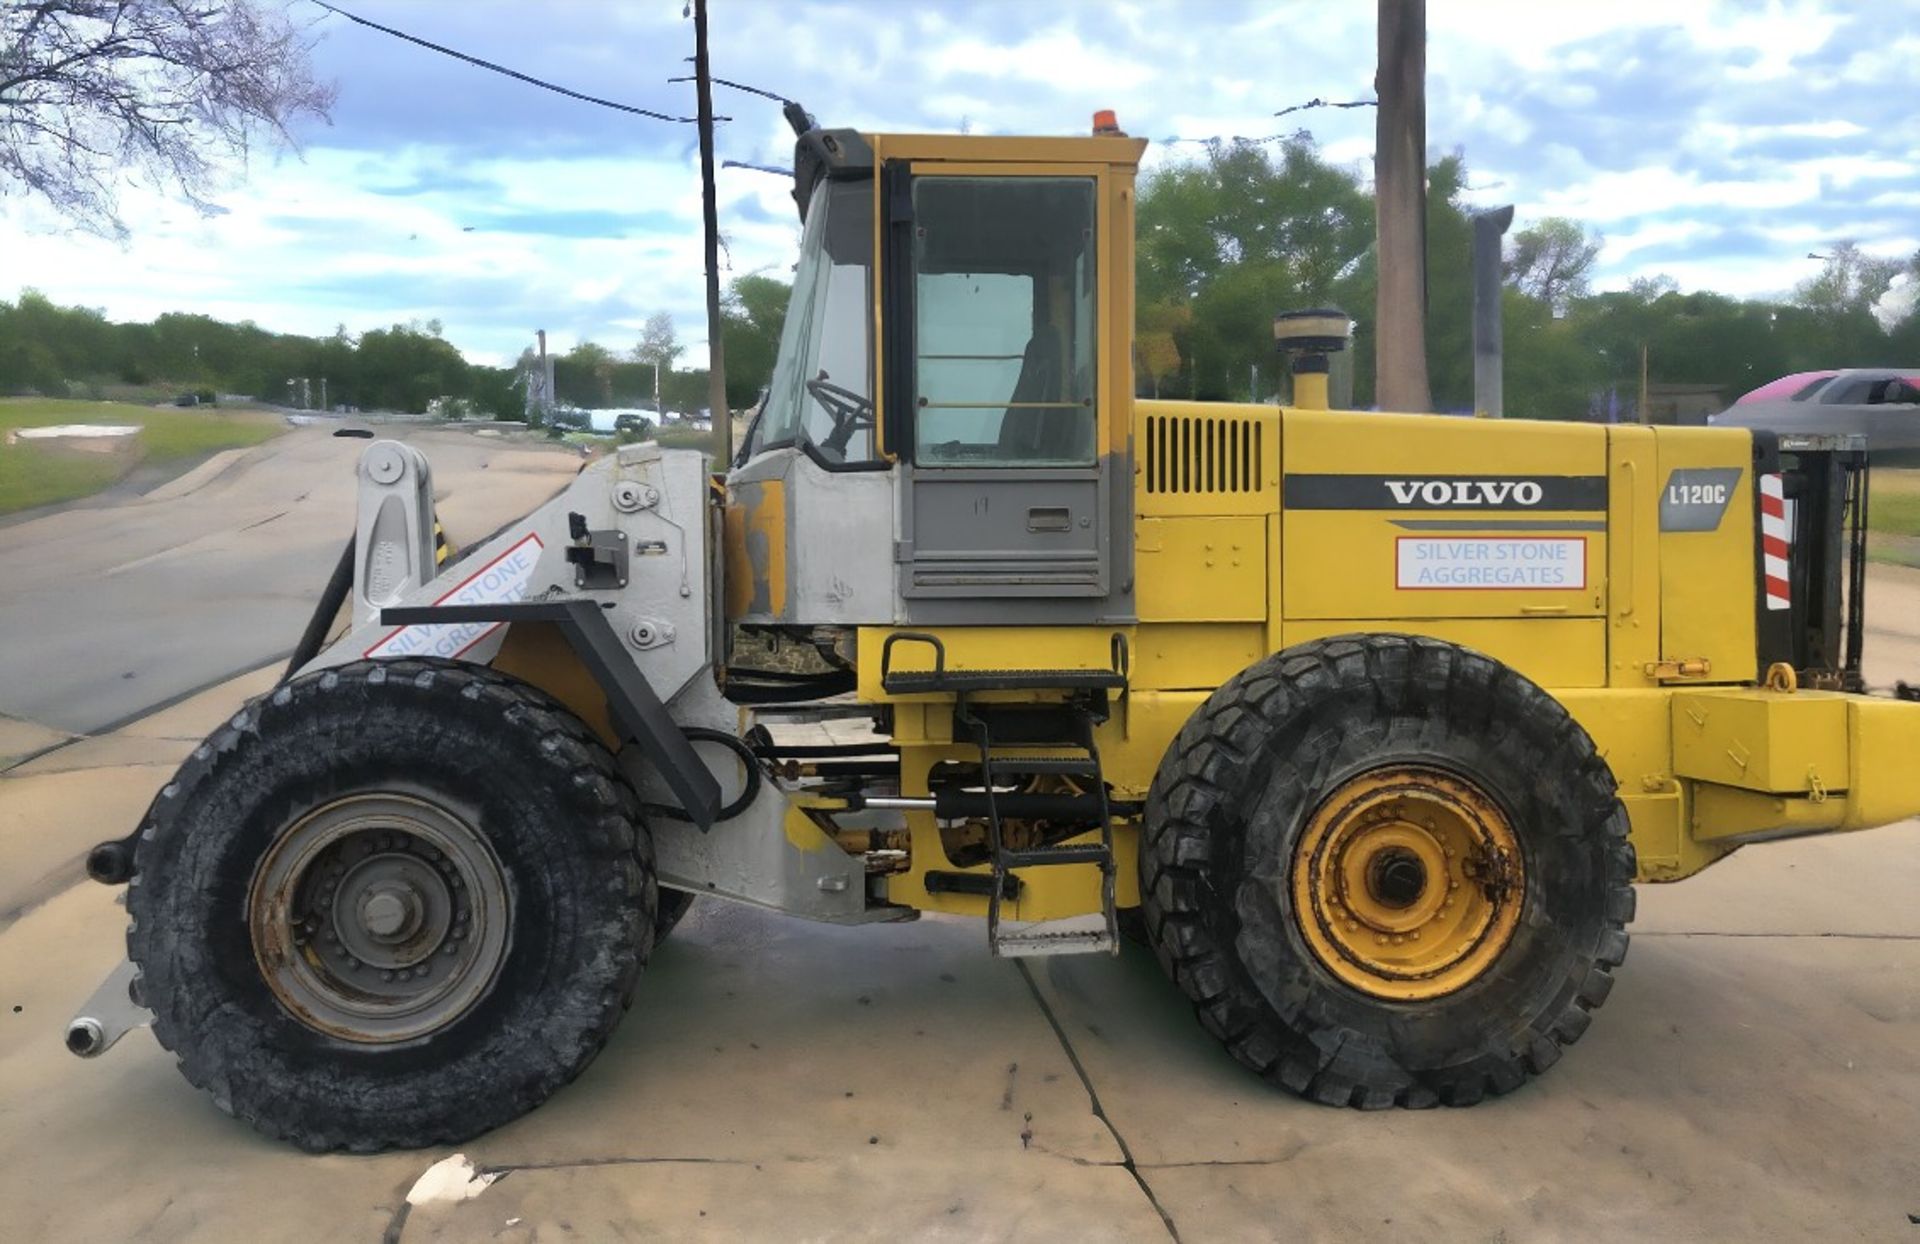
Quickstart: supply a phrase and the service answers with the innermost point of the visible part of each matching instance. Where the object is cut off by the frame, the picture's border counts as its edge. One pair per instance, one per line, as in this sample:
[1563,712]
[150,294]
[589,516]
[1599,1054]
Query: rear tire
[1342,1003]
[402,809]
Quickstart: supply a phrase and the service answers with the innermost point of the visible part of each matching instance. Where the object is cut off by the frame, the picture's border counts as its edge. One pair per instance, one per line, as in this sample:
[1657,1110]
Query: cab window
[821,393]
[1004,333]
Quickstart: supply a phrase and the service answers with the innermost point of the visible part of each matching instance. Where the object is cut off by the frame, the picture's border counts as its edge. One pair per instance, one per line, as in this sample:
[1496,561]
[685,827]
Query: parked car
[1880,403]
[1798,386]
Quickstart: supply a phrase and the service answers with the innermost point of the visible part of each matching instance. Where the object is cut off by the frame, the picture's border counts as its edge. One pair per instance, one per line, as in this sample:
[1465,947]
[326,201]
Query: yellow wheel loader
[1365,723]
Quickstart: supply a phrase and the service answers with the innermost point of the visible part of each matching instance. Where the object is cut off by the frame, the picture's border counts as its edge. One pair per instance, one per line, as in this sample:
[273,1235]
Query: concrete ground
[1756,1073]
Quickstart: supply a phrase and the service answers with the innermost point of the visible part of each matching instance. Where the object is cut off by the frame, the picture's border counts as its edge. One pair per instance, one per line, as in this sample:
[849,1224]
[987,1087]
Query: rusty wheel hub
[1407,882]
[378,918]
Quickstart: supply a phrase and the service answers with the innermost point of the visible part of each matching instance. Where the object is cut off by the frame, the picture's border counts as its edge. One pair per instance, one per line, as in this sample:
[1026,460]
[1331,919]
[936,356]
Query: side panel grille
[1204,454]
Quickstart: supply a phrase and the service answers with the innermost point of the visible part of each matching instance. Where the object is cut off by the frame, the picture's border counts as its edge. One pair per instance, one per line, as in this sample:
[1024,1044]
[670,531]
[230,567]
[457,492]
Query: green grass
[1893,508]
[33,475]
[1893,517]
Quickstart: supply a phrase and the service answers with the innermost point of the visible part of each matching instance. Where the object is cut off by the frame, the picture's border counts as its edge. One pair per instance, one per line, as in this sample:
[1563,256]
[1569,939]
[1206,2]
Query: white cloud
[1716,141]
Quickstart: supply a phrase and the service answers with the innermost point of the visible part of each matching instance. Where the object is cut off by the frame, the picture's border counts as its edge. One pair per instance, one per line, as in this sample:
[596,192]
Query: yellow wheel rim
[1407,882]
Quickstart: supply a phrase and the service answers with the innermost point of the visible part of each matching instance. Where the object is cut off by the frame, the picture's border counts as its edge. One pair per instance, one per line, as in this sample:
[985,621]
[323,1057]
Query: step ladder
[1056,726]
[1075,724]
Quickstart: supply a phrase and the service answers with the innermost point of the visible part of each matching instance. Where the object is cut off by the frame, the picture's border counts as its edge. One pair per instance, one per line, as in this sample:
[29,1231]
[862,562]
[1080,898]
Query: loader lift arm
[637,712]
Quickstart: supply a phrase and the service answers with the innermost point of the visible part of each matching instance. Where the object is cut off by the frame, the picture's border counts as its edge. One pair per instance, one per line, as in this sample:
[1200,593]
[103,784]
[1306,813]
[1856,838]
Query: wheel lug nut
[1416,936]
[386,976]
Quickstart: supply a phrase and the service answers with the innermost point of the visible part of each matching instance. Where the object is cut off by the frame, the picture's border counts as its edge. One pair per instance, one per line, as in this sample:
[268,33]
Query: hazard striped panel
[1776,543]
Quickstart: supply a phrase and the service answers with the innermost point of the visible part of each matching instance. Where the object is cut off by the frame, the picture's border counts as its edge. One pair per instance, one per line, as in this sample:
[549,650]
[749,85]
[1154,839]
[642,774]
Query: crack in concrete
[397,1223]
[1093,1098]
[263,522]
[48,750]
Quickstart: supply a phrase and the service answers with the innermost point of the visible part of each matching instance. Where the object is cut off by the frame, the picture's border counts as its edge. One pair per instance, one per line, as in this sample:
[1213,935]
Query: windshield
[822,386]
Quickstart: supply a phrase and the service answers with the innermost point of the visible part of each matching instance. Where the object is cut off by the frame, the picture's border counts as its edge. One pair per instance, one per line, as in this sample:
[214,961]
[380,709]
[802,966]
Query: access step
[1043,857]
[922,682]
[940,679]
[1028,766]
[1077,935]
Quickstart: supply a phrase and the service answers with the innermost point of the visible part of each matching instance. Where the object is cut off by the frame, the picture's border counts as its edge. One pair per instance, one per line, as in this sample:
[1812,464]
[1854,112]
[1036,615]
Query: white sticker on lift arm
[501,580]
[1490,563]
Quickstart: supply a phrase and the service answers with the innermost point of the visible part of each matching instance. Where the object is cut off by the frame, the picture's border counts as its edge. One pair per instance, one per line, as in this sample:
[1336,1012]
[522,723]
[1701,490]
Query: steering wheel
[849,411]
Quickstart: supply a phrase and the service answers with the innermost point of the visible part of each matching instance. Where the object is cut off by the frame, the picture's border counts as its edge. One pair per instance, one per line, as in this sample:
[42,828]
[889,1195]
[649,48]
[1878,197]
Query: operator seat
[1030,433]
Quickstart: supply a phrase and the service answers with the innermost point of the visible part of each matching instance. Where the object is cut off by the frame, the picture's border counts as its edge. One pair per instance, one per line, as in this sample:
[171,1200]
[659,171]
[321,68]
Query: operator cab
[945,438]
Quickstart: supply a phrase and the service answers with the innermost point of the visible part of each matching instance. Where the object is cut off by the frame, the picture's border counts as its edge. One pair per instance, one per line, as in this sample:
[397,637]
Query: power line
[758,168]
[740,86]
[1220,140]
[1223,140]
[511,73]
[1317,102]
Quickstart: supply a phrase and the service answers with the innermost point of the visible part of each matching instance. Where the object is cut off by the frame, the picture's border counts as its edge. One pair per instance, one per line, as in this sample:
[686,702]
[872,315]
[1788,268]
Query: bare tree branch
[95,94]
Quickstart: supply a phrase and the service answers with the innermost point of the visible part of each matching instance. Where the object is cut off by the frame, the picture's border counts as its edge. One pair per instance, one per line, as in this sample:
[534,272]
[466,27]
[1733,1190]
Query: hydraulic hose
[749,761]
[324,611]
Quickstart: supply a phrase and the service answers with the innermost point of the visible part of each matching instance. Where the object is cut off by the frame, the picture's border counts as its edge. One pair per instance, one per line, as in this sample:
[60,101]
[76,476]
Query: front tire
[1387,870]
[391,905]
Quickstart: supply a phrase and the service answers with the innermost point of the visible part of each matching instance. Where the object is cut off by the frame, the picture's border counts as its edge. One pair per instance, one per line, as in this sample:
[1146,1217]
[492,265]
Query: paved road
[109,611]
[1892,651]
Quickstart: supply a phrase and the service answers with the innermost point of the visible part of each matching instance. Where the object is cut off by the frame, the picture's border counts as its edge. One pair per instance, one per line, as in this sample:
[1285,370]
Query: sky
[1717,143]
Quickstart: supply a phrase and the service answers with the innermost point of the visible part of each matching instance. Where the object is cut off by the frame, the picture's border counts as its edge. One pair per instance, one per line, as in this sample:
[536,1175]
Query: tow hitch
[111,1013]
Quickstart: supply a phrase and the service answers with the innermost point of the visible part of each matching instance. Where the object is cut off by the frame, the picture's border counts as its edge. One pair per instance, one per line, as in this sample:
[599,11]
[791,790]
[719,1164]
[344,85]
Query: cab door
[994,354]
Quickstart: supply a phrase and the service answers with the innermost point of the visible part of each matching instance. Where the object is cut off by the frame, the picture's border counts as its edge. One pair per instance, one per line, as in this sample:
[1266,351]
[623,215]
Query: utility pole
[1641,415]
[1400,197]
[1489,343]
[540,387]
[709,210]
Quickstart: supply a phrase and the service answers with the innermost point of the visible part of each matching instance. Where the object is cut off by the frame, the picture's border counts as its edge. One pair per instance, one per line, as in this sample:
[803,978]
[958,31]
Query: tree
[1227,241]
[1552,259]
[91,90]
[1156,340]
[752,318]
[659,346]
[1849,281]
[583,376]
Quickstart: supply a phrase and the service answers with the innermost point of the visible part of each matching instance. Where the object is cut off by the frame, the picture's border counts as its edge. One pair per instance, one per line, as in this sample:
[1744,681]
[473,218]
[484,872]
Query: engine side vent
[1189,454]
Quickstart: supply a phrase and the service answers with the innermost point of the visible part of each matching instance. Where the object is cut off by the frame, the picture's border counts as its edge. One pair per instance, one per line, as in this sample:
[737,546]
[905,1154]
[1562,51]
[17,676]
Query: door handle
[1049,518]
